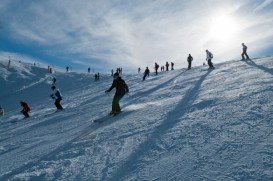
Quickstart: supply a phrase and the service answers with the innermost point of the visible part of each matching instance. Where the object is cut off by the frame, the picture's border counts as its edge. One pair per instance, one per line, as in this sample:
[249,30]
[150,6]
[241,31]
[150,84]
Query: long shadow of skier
[172,118]
[149,91]
[252,63]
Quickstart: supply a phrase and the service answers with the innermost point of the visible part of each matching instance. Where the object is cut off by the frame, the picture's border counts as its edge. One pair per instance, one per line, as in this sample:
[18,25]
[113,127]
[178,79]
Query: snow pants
[189,64]
[58,104]
[244,53]
[115,103]
[25,113]
[210,63]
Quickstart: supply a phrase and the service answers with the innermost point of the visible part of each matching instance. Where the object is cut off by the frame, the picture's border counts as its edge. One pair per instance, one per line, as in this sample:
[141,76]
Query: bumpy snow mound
[180,125]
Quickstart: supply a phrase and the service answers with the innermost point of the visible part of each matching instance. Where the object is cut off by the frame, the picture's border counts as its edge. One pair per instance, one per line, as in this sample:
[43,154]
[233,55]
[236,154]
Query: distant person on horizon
[138,69]
[189,59]
[244,52]
[167,66]
[88,70]
[25,109]
[2,112]
[121,90]
[96,77]
[112,72]
[172,64]
[209,58]
[146,73]
[56,95]
[67,68]
[156,68]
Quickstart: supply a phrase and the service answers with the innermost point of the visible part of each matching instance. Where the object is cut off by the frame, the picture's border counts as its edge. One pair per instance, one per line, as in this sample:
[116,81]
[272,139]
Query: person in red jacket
[26,109]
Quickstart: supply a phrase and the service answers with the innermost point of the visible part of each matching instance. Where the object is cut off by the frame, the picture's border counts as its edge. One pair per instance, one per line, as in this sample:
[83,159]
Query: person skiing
[146,73]
[167,66]
[56,95]
[244,52]
[112,72]
[88,70]
[25,109]
[2,112]
[121,90]
[156,68]
[67,68]
[190,59]
[172,64]
[209,57]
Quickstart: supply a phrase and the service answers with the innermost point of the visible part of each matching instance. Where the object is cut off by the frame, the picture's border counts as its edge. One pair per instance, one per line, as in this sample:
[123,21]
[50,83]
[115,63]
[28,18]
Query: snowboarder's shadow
[252,63]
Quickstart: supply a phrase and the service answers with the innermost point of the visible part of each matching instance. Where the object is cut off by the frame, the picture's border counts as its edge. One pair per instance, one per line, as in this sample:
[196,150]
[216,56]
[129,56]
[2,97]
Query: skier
[190,59]
[244,52]
[167,66]
[88,70]
[112,72]
[209,57]
[146,73]
[121,90]
[25,109]
[67,68]
[138,69]
[57,96]
[172,64]
[156,68]
[2,112]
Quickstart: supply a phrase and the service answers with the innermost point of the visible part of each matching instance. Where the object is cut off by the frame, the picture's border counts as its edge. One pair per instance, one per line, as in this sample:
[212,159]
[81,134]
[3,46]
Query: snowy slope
[179,125]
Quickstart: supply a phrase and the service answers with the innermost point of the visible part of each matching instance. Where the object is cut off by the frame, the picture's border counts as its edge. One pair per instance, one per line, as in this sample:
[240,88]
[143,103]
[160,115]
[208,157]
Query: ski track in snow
[199,124]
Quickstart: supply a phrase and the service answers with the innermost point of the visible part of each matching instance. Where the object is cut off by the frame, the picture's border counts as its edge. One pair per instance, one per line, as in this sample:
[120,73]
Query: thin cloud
[263,5]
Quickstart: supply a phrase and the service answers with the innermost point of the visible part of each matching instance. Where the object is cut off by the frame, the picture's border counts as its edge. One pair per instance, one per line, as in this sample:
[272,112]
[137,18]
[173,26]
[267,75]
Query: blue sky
[105,34]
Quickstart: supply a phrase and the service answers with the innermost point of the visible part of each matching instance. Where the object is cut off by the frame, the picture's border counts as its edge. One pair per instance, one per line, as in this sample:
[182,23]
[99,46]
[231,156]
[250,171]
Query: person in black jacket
[121,90]
[190,59]
[146,73]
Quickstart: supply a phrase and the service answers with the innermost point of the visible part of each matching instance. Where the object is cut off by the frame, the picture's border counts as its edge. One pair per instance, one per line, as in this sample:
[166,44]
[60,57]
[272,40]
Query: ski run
[197,124]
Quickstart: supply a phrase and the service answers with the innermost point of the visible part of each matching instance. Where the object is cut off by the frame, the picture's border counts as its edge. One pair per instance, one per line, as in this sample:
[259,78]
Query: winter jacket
[190,58]
[120,85]
[209,55]
[244,48]
[25,106]
[56,94]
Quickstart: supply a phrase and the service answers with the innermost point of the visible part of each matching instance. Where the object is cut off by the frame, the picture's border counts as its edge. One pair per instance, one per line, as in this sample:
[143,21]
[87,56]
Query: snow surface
[180,125]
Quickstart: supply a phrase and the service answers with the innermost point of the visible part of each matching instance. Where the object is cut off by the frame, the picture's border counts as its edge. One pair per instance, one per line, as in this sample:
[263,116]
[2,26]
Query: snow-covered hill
[180,125]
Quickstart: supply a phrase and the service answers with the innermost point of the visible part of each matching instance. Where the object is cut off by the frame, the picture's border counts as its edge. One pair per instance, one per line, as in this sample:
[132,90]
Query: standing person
[146,73]
[57,96]
[156,68]
[190,59]
[167,66]
[67,68]
[209,57]
[88,70]
[112,72]
[139,69]
[2,112]
[172,64]
[244,52]
[121,90]
[25,109]
[96,77]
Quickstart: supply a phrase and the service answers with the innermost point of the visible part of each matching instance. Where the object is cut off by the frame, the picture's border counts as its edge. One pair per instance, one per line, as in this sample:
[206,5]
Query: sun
[223,28]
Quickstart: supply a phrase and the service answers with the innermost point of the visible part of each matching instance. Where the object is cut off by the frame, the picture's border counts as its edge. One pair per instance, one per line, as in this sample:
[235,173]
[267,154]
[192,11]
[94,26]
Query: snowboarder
[2,112]
[244,52]
[209,57]
[121,90]
[25,109]
[190,59]
[172,64]
[57,96]
[156,68]
[167,66]
[146,73]
[88,70]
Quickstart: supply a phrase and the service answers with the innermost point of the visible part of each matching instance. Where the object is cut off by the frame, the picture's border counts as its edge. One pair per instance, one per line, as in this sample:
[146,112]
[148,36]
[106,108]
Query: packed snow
[197,124]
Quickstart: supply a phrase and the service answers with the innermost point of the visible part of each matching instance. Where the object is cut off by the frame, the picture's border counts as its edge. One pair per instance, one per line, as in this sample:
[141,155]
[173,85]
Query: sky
[106,34]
